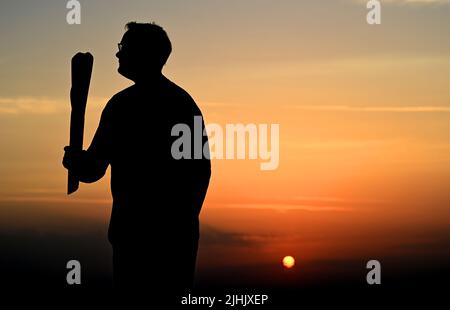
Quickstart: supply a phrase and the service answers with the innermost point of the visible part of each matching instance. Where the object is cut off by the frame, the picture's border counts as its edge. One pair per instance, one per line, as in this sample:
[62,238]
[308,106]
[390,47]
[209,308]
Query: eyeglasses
[120,46]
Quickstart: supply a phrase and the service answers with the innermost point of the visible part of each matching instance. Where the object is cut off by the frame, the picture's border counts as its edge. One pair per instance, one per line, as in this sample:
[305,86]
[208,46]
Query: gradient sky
[364,114]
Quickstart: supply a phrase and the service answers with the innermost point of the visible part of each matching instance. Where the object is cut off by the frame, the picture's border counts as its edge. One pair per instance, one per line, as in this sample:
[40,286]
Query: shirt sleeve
[101,145]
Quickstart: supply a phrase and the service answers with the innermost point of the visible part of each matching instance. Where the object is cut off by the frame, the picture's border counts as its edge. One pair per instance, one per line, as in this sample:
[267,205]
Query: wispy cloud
[28,105]
[394,109]
[416,1]
[42,105]
[61,199]
[303,203]
[342,144]
[287,207]
[339,199]
[213,236]
[407,2]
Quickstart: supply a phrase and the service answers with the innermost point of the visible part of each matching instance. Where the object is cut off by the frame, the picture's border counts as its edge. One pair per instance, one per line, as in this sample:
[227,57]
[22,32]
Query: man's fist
[72,158]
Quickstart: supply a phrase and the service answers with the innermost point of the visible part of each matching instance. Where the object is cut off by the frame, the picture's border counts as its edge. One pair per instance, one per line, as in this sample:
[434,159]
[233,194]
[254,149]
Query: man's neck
[149,79]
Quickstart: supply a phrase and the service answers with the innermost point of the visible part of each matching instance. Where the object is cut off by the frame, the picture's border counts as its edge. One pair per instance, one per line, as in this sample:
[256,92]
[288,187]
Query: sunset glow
[363,169]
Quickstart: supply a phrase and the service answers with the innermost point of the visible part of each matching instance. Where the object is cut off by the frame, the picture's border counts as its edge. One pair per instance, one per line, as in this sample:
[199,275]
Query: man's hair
[152,36]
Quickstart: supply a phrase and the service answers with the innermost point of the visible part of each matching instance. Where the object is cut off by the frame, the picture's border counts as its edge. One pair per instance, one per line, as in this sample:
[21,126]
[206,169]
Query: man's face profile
[136,60]
[127,58]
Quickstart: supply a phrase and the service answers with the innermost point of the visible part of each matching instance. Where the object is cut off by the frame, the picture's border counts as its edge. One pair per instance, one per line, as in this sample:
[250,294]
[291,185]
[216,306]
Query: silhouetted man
[154,227]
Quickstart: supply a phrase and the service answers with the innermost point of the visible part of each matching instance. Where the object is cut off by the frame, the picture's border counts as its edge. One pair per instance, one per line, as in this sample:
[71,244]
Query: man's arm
[86,167]
[90,165]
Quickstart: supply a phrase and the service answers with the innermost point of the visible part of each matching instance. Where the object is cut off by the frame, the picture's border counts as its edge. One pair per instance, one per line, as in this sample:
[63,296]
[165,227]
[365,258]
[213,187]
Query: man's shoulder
[166,87]
[118,98]
[181,96]
[176,90]
[176,96]
[123,94]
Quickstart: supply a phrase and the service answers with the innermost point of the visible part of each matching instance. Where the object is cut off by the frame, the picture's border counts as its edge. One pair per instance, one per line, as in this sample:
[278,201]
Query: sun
[288,262]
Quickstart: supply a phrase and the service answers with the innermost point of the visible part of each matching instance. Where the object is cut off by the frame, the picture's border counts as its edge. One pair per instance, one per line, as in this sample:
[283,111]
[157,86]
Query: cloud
[218,104]
[417,1]
[304,203]
[293,204]
[339,199]
[344,144]
[53,199]
[286,207]
[28,105]
[42,105]
[389,109]
[407,2]
[212,236]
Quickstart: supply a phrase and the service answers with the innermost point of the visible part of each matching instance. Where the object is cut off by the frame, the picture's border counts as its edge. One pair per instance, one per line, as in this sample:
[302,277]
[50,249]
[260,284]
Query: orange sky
[364,116]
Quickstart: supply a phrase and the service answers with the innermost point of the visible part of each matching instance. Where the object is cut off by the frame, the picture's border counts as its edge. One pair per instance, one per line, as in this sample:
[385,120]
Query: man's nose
[118,54]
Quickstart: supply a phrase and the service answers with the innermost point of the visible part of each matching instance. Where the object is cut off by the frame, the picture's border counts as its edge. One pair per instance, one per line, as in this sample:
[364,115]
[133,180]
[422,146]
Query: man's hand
[83,165]
[72,158]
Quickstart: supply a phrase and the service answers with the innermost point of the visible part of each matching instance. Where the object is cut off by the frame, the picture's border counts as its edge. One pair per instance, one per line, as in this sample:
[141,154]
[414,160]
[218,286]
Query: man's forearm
[89,168]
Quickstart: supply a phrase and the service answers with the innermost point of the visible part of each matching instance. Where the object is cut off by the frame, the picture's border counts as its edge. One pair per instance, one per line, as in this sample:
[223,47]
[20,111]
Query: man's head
[143,51]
